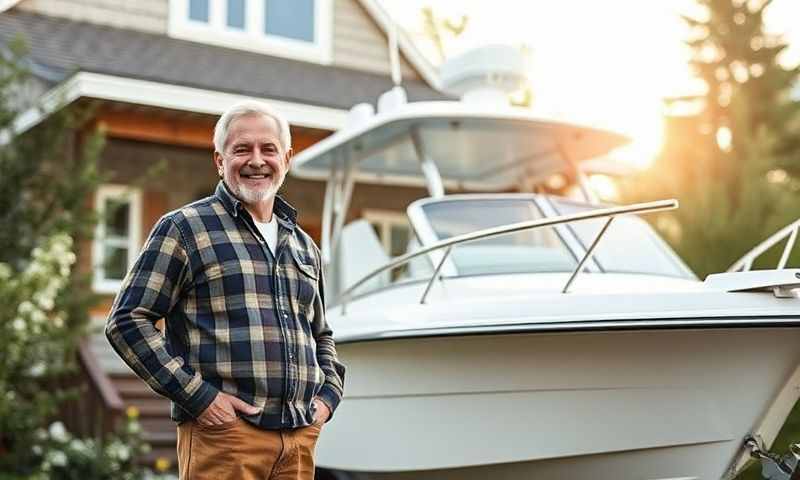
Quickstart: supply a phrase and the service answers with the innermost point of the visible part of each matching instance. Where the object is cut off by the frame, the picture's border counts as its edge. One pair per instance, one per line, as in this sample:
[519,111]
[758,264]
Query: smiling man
[247,358]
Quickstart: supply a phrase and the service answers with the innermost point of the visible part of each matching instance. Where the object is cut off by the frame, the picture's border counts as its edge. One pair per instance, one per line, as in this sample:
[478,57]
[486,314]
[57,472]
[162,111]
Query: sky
[607,64]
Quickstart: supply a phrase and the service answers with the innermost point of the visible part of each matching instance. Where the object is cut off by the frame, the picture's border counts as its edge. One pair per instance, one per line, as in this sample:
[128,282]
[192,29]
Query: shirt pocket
[306,276]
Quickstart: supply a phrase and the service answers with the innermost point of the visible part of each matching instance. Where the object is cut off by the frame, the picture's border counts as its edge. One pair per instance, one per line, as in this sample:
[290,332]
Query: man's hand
[321,412]
[223,410]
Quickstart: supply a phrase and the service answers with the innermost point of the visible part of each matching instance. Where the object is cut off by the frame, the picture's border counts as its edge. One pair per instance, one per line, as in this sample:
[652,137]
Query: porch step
[157,427]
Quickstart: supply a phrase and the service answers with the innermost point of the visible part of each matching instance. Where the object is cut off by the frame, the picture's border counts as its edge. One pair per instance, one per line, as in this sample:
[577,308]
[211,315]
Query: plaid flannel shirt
[238,319]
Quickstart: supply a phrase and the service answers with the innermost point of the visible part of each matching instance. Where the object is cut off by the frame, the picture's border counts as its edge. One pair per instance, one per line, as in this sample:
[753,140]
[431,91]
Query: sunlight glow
[605,64]
[604,187]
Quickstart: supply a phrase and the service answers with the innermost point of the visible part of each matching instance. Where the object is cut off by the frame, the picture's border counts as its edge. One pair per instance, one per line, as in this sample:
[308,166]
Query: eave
[170,97]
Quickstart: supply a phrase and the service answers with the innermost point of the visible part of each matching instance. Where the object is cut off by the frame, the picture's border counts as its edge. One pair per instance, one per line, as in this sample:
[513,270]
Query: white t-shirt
[270,233]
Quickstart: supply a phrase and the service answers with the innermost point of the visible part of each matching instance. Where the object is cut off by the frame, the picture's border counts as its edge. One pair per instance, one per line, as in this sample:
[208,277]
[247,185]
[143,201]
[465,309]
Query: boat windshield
[629,246]
[530,251]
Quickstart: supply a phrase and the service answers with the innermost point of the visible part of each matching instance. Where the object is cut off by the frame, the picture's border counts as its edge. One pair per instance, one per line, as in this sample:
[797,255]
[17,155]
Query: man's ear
[218,163]
[288,157]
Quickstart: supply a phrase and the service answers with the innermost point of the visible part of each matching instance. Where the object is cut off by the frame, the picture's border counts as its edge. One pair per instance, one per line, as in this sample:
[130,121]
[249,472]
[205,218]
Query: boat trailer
[773,465]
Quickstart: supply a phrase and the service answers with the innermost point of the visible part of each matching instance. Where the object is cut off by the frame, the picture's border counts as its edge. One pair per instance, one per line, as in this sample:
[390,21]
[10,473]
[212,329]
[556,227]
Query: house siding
[358,42]
[144,15]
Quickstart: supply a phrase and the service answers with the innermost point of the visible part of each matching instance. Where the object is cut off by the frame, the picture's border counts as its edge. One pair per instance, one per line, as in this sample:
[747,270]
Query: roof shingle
[68,46]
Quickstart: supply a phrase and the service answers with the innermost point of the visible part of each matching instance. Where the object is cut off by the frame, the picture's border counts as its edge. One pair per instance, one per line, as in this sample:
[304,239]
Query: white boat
[529,336]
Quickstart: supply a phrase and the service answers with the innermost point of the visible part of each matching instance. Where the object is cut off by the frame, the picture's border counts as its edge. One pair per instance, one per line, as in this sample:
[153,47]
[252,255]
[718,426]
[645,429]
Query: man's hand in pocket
[223,410]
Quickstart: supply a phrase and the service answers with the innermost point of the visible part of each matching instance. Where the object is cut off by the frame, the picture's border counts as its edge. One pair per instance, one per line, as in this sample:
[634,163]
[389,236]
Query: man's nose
[257,159]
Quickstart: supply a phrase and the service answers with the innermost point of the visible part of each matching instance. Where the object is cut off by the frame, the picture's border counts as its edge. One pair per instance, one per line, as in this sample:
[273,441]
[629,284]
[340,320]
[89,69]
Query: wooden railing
[97,407]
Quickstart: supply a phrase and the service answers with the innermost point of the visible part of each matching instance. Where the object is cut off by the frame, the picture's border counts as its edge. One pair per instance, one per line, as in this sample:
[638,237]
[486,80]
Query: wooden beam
[177,130]
[156,128]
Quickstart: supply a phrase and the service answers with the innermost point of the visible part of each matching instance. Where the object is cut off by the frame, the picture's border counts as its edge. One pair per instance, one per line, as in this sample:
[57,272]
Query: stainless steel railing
[450,243]
[745,263]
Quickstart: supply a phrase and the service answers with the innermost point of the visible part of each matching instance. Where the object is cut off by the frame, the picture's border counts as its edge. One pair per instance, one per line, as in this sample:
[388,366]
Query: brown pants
[238,450]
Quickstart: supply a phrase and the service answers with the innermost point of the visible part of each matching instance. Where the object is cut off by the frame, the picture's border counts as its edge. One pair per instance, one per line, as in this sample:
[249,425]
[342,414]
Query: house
[158,73]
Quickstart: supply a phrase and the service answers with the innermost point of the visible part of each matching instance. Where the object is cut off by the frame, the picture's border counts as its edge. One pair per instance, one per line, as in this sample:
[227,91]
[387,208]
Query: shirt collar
[287,215]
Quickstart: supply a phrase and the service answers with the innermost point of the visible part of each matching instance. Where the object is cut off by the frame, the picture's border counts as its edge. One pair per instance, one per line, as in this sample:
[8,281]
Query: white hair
[243,109]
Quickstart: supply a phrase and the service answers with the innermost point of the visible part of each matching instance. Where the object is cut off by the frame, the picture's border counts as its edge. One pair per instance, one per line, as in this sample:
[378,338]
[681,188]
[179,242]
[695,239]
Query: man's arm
[332,390]
[149,293]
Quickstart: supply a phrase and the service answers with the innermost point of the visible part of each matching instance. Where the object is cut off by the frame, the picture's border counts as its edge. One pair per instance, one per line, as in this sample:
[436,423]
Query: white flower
[58,459]
[80,446]
[134,427]
[119,451]
[58,321]
[58,432]
[19,324]
[37,370]
[37,450]
[44,299]
[25,308]
[38,317]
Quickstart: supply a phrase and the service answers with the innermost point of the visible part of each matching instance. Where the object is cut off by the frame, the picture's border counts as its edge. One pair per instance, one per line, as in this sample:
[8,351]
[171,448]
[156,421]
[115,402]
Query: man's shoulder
[208,206]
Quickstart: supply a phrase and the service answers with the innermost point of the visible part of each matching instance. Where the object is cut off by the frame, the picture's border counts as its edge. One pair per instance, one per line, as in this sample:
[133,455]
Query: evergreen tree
[731,162]
[45,182]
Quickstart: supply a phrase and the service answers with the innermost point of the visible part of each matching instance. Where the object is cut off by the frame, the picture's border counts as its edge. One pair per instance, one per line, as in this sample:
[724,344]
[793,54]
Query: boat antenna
[394,54]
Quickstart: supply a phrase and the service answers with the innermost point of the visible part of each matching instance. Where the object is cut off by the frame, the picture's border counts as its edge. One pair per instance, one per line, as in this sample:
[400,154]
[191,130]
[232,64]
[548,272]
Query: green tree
[730,161]
[45,182]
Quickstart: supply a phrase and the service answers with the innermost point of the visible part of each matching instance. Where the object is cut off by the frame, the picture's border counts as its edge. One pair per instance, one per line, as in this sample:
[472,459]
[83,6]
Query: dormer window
[298,29]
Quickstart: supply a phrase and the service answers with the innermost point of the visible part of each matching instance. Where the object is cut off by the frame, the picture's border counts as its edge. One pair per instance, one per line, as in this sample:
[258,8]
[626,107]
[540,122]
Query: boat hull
[655,404]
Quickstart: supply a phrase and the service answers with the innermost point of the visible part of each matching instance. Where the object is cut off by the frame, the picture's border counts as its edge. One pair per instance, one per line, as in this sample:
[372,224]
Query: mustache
[263,171]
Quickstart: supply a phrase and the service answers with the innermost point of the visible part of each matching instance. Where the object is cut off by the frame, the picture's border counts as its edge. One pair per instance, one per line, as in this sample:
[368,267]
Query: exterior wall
[145,15]
[358,43]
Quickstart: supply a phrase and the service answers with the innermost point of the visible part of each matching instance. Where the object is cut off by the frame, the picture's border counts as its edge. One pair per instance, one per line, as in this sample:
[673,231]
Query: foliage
[44,185]
[64,457]
[728,161]
[47,177]
[35,347]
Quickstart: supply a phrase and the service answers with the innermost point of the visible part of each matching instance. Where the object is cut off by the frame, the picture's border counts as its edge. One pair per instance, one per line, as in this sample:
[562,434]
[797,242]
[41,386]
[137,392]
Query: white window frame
[253,37]
[100,284]
[386,219]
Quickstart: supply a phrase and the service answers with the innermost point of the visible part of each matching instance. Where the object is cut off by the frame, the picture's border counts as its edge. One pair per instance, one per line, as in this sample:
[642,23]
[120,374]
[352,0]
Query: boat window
[629,246]
[536,250]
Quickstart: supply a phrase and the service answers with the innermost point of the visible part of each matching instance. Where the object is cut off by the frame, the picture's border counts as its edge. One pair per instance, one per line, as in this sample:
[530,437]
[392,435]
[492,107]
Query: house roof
[62,47]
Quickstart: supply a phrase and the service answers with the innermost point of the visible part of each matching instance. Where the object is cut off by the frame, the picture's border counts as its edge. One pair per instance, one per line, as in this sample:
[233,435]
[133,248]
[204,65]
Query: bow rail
[449,243]
[745,263]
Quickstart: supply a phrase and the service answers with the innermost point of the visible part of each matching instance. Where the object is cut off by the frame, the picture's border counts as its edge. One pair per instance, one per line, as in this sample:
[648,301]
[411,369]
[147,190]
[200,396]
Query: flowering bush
[48,173]
[63,457]
[36,346]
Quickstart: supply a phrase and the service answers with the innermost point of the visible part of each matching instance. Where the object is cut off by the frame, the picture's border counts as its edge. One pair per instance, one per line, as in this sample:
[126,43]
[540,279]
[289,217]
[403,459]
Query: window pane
[117,214]
[629,245]
[236,11]
[399,239]
[536,250]
[115,263]
[198,10]
[290,18]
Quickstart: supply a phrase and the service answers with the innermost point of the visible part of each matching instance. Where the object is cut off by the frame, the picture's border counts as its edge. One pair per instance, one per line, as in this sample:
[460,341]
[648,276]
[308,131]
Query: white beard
[248,195]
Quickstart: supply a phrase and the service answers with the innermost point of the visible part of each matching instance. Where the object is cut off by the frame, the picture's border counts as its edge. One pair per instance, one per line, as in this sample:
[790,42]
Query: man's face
[253,163]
